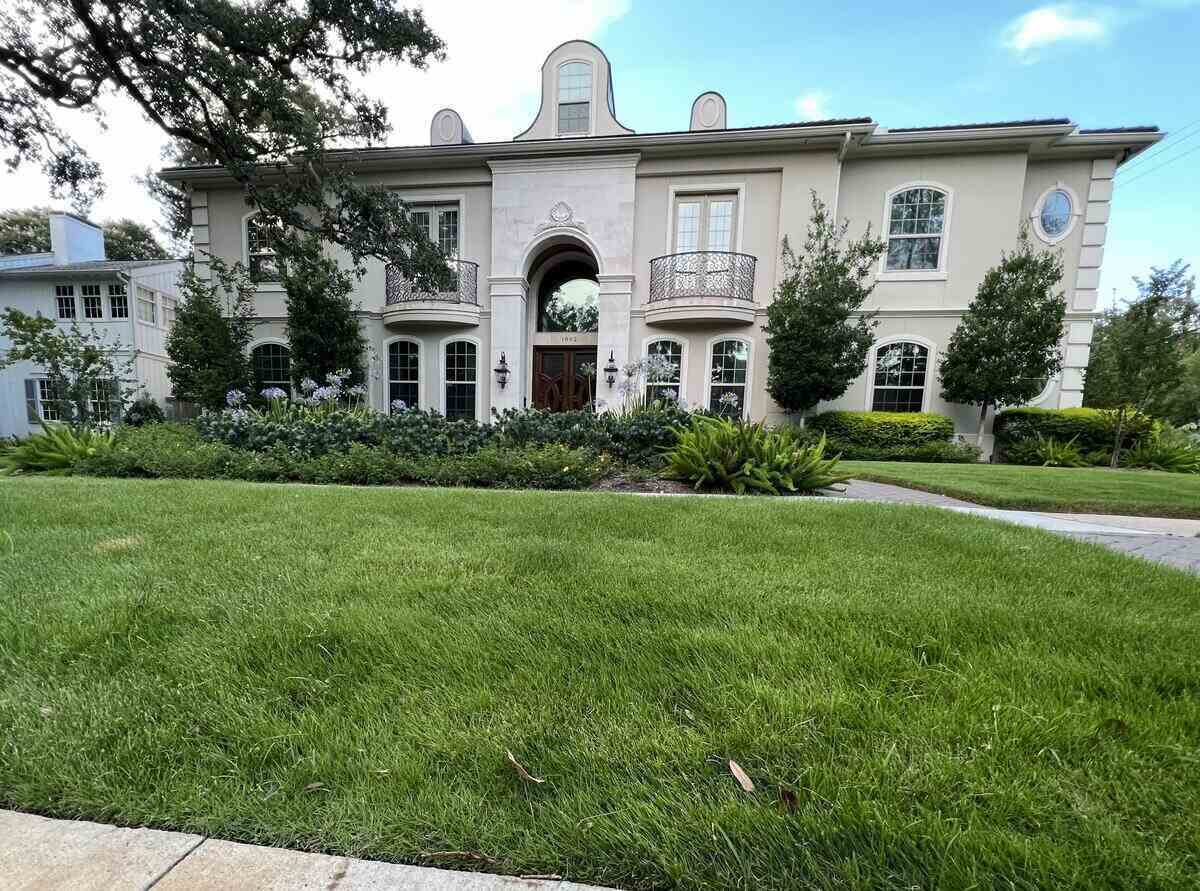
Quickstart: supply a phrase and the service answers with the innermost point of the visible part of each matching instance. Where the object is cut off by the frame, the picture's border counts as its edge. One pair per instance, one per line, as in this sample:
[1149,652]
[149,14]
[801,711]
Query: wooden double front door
[561,382]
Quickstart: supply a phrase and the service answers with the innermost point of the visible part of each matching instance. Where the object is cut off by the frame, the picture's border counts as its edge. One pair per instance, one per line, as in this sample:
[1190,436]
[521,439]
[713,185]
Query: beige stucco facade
[579,187]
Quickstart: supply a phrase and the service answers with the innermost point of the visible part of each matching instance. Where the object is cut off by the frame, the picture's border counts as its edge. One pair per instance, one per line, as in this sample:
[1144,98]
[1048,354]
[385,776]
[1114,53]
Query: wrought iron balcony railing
[464,285]
[702,274]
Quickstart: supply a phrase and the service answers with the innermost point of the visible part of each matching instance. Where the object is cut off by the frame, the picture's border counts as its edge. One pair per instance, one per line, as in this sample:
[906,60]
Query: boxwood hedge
[1091,428]
[883,429]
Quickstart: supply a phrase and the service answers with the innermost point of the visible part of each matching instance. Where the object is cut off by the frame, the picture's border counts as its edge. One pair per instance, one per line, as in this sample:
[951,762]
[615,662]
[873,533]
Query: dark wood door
[560,380]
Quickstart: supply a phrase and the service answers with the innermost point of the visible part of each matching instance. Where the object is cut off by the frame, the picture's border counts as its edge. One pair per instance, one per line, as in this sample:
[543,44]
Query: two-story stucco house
[582,244]
[132,303]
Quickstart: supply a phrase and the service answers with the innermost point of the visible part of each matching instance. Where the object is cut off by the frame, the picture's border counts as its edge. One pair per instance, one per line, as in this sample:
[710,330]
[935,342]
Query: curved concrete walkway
[40,854]
[1174,542]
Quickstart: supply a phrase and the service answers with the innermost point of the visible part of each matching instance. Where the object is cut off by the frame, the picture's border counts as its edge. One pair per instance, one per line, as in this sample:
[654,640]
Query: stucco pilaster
[509,297]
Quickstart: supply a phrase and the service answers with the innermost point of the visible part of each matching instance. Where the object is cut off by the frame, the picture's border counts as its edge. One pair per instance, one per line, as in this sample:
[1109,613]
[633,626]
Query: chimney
[75,240]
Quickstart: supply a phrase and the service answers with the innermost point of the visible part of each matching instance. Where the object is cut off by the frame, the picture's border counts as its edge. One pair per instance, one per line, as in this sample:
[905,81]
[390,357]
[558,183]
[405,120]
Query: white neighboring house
[132,302]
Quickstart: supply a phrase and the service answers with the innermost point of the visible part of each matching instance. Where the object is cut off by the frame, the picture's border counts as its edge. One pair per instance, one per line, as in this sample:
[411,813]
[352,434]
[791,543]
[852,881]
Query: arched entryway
[564,323]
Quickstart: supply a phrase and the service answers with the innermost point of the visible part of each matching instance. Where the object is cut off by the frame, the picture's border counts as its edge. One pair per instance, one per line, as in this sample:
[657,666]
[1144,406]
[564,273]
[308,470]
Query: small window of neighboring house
[64,301]
[93,303]
[900,370]
[146,310]
[261,256]
[41,403]
[460,379]
[667,383]
[574,97]
[101,402]
[916,220]
[730,364]
[118,302]
[168,312]
[705,234]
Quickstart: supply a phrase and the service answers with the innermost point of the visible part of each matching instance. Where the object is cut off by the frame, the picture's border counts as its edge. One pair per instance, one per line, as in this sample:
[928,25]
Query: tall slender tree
[817,333]
[1006,346]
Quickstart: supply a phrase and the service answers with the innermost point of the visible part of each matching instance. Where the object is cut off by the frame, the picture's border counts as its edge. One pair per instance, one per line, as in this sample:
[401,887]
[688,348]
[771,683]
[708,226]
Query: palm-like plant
[55,451]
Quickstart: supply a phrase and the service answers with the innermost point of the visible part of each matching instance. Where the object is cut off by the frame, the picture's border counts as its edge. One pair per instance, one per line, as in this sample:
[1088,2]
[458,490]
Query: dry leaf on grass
[740,776]
[521,771]
[314,787]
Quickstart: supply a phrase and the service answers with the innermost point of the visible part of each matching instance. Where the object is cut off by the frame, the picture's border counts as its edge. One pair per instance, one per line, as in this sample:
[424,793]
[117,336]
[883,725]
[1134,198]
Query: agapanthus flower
[358,390]
[308,385]
[273,393]
[325,394]
[234,398]
[399,405]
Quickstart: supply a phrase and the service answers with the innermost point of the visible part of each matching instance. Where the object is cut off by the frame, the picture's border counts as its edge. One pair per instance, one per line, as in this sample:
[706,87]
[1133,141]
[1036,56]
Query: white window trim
[104,303]
[478,372]
[157,323]
[421,381]
[930,367]
[1035,216]
[108,302]
[915,275]
[420,198]
[683,360]
[269,287]
[591,130]
[37,395]
[677,189]
[708,365]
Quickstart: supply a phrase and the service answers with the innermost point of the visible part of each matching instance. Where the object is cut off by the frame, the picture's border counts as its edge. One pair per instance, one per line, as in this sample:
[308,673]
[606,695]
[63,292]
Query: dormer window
[574,98]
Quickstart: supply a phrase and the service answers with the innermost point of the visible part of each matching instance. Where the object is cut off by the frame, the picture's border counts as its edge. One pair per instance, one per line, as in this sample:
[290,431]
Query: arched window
[916,228]
[900,370]
[461,378]
[574,97]
[260,250]
[664,380]
[569,298]
[730,365]
[404,375]
[271,364]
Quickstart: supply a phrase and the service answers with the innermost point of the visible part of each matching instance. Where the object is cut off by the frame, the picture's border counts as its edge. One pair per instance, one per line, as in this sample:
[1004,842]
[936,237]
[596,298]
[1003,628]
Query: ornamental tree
[263,89]
[84,369]
[322,328]
[816,331]
[1007,344]
[1137,357]
[212,330]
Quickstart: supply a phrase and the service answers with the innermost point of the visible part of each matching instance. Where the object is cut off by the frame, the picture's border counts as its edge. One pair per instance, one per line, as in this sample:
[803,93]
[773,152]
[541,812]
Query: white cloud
[812,106]
[1048,25]
[491,76]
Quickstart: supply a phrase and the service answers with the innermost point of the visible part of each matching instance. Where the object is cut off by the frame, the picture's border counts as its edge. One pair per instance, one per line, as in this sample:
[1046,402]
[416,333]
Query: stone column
[509,295]
[616,300]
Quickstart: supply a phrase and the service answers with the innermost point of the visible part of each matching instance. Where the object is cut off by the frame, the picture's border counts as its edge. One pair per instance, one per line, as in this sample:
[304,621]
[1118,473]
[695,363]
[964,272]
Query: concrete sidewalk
[40,854]
[1174,542]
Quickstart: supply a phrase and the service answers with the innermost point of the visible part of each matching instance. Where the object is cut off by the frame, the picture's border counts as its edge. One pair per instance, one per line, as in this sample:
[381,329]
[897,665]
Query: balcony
[701,287]
[405,305]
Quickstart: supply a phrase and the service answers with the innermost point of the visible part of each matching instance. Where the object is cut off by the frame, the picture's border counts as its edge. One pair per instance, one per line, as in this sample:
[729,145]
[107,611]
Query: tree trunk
[982,425]
[1116,455]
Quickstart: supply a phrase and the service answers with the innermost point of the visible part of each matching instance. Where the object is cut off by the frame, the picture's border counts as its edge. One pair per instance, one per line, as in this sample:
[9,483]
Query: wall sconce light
[502,372]
[610,370]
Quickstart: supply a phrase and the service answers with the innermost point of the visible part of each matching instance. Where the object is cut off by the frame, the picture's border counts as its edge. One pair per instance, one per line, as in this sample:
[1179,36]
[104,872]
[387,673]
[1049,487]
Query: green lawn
[1064,489]
[921,698]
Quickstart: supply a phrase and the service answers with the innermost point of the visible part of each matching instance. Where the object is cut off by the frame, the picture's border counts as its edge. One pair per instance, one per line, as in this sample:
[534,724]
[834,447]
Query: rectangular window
[460,379]
[93,304]
[48,403]
[916,220]
[100,402]
[168,312]
[118,302]
[261,255]
[146,310]
[404,375]
[730,362]
[440,222]
[705,234]
[64,301]
[665,360]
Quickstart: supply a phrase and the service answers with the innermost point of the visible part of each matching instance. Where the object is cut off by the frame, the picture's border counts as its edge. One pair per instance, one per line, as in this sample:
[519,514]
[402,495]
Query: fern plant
[736,456]
[1173,454]
[55,451]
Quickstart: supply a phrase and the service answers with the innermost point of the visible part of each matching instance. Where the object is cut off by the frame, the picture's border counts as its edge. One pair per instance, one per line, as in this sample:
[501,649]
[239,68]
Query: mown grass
[921,699]
[1148,493]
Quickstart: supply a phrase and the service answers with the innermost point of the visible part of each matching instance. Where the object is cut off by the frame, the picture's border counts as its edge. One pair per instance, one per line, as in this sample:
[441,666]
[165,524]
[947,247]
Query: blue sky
[902,64]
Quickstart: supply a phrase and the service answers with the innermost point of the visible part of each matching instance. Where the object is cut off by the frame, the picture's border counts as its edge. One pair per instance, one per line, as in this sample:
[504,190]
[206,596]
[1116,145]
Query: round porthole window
[1056,214]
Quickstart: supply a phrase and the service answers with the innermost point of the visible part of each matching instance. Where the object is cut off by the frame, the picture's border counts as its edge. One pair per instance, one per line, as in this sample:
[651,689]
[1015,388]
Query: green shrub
[736,456]
[883,429]
[635,437]
[1171,450]
[143,411]
[57,450]
[1093,429]
[1046,451]
[926,452]
[177,451]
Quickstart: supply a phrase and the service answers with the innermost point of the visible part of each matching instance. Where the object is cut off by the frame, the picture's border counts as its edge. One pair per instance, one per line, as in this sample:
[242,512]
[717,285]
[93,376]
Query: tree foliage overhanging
[263,89]
[1006,347]
[817,334]
[27,231]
